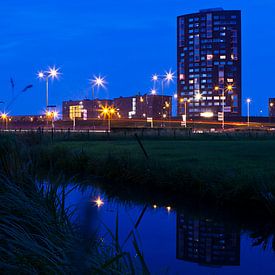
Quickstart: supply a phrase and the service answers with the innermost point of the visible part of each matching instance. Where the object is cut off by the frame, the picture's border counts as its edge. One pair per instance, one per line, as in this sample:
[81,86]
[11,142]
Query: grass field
[255,156]
[232,172]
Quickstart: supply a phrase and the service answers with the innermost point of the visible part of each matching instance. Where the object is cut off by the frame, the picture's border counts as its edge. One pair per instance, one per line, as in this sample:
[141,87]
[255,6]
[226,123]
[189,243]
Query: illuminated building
[271,107]
[83,109]
[144,106]
[209,62]
[207,242]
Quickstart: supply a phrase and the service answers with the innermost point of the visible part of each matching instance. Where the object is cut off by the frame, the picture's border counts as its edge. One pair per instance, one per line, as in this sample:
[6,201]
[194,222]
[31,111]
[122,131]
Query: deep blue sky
[126,41]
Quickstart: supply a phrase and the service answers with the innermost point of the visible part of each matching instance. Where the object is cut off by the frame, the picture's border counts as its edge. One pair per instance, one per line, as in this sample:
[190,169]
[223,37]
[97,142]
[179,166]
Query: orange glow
[217,88]
[229,87]
[108,111]
[4,116]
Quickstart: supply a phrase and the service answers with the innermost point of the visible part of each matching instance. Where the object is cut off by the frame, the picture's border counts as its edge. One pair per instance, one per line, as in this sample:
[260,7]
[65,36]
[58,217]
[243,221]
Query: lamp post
[248,101]
[167,77]
[4,117]
[197,97]
[51,115]
[51,73]
[229,88]
[96,81]
[108,111]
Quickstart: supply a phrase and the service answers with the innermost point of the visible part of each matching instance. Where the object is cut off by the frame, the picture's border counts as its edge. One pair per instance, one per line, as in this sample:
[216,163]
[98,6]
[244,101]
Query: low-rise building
[83,109]
[144,106]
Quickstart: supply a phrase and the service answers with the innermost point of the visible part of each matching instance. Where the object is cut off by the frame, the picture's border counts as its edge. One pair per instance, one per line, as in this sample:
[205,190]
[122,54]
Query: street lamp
[248,101]
[185,100]
[97,81]
[153,92]
[4,117]
[108,111]
[167,77]
[51,115]
[229,88]
[51,73]
[155,79]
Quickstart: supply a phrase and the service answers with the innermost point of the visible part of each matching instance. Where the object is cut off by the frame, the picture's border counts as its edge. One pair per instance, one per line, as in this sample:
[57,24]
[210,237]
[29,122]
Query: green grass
[252,157]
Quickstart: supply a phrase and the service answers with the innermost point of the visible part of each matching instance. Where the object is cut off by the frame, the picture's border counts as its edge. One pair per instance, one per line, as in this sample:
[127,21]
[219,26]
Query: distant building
[207,242]
[83,109]
[271,107]
[144,106]
[209,62]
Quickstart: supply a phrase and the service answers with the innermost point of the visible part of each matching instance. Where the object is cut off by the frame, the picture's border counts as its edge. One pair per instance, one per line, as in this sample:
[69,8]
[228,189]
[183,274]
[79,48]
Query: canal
[176,241]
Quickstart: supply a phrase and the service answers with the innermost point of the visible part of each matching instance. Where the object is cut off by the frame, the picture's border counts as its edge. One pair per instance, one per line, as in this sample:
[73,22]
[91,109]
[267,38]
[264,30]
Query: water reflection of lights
[99,202]
[168,208]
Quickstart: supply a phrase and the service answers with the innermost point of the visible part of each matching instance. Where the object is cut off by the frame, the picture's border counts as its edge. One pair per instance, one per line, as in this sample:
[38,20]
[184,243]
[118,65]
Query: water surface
[180,241]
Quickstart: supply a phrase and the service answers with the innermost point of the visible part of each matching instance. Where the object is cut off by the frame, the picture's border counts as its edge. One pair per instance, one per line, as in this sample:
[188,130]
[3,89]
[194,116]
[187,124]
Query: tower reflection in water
[207,242]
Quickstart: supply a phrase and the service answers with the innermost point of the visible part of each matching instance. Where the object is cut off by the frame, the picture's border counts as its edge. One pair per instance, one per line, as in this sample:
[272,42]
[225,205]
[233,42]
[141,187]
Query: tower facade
[209,79]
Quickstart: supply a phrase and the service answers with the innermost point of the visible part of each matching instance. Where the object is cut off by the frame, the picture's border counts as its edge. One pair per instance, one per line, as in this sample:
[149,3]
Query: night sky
[126,41]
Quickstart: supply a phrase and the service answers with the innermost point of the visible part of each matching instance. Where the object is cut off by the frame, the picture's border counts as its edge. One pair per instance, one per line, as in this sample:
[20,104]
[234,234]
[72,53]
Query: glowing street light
[155,80]
[51,115]
[169,76]
[153,92]
[198,96]
[248,101]
[4,117]
[52,73]
[109,112]
[99,82]
[155,77]
[185,100]
[228,88]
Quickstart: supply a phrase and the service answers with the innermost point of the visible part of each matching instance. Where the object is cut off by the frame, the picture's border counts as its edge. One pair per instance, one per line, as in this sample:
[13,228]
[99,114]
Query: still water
[178,241]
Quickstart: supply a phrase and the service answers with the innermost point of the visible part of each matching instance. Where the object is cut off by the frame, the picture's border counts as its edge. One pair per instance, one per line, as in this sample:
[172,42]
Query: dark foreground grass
[36,233]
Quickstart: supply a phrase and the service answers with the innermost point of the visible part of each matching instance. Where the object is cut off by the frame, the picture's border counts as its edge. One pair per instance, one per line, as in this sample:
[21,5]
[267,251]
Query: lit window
[209,56]
[223,57]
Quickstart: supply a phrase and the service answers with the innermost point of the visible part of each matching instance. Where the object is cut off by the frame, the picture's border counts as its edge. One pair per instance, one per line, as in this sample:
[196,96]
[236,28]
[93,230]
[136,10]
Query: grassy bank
[226,172]
[36,233]
[234,172]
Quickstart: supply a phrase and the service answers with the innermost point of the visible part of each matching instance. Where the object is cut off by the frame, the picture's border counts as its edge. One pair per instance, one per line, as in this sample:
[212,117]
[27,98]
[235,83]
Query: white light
[198,96]
[169,76]
[248,100]
[175,96]
[40,75]
[155,77]
[53,72]
[207,114]
[153,92]
[98,81]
